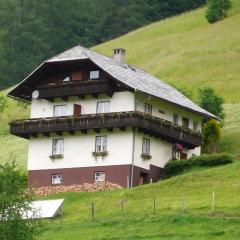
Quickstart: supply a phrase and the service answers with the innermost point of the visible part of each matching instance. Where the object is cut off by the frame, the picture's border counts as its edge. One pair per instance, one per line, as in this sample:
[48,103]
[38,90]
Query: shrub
[173,167]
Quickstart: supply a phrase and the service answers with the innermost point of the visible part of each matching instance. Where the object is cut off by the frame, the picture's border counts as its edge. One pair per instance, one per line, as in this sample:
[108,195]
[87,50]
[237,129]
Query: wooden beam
[71,132]
[97,130]
[34,135]
[59,133]
[110,129]
[65,98]
[84,131]
[81,97]
[95,95]
[122,128]
[46,134]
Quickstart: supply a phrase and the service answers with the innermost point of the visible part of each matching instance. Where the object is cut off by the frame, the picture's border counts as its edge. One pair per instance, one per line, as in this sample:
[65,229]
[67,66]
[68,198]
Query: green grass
[139,222]
[186,50]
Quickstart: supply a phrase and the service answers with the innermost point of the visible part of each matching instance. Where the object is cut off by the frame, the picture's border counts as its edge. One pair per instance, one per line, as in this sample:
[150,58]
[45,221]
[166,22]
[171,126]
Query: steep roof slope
[131,76]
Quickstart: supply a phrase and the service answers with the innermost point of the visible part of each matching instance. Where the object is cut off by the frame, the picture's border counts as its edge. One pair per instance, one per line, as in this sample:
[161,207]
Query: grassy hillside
[139,222]
[186,50]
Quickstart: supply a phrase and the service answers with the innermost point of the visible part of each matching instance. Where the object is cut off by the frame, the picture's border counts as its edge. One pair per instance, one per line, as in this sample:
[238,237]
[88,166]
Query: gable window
[175,118]
[100,176]
[103,107]
[57,178]
[66,77]
[148,109]
[185,122]
[101,144]
[146,146]
[60,110]
[195,126]
[57,147]
[94,75]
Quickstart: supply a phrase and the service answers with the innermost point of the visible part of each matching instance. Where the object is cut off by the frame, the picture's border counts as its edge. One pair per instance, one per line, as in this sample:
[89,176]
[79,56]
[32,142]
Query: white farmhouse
[95,118]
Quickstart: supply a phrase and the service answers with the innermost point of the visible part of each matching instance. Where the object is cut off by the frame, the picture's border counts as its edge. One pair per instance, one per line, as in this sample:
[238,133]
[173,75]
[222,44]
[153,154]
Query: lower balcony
[148,124]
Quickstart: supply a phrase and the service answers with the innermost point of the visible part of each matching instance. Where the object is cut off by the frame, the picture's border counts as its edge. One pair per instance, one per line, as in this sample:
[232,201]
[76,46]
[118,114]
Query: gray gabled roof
[130,76]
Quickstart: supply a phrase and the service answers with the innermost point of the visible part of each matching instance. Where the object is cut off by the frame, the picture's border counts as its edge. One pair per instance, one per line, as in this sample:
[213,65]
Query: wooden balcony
[148,124]
[75,88]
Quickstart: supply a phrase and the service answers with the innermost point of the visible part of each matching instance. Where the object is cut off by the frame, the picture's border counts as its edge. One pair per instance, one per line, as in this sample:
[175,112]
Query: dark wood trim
[148,124]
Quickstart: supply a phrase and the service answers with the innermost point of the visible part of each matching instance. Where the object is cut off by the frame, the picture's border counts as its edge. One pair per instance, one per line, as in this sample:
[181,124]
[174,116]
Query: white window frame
[175,118]
[57,178]
[57,146]
[146,146]
[195,126]
[101,144]
[99,176]
[147,108]
[60,110]
[93,75]
[103,107]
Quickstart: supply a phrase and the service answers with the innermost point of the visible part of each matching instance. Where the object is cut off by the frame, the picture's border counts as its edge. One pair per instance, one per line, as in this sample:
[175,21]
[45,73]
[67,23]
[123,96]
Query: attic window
[66,77]
[94,75]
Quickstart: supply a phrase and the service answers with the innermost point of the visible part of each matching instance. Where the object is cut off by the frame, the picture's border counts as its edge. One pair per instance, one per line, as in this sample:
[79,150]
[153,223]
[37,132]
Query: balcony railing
[148,124]
[77,88]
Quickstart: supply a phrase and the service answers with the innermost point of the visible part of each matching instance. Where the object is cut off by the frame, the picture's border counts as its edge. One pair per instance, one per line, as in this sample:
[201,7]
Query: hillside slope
[186,50]
[138,221]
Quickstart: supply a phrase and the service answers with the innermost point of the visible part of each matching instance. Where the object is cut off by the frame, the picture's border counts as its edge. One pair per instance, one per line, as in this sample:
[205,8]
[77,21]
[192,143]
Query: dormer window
[66,77]
[94,75]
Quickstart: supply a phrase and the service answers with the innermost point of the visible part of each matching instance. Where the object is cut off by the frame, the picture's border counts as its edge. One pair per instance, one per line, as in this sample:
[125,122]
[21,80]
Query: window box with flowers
[100,154]
[56,156]
[146,156]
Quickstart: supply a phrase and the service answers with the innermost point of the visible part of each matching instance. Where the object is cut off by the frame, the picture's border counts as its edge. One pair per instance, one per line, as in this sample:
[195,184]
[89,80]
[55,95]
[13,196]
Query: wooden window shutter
[77,109]
[77,76]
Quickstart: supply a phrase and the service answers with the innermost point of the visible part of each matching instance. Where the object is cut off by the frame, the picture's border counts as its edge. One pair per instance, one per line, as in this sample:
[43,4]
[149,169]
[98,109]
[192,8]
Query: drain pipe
[133,142]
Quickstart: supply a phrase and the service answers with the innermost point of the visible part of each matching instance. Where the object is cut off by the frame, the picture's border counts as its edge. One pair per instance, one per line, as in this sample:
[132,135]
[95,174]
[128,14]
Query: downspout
[133,142]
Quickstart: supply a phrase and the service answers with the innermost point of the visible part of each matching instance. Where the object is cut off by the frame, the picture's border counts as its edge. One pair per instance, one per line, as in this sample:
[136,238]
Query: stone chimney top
[119,54]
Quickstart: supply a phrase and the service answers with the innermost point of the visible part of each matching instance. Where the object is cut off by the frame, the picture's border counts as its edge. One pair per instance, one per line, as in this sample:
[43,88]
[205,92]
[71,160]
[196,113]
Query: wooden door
[77,109]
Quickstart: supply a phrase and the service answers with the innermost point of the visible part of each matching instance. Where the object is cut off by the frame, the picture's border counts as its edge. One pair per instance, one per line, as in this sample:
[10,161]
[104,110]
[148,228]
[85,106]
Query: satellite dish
[35,94]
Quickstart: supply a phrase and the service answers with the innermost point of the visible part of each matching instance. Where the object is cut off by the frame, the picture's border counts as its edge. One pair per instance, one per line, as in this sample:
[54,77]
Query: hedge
[174,167]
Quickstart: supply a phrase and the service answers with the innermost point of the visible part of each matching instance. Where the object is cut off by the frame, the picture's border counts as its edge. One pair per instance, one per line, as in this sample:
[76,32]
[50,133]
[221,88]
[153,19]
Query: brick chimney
[119,54]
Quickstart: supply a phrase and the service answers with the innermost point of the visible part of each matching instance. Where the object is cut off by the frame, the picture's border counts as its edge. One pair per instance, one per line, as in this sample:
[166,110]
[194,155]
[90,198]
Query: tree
[217,10]
[211,102]
[15,199]
[211,133]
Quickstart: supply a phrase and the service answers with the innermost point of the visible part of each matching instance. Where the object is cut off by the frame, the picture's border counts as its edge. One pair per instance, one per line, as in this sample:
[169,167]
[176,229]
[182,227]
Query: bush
[174,167]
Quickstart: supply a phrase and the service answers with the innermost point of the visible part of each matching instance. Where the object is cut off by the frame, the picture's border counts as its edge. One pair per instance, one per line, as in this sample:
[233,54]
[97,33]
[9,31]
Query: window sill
[146,156]
[100,154]
[57,156]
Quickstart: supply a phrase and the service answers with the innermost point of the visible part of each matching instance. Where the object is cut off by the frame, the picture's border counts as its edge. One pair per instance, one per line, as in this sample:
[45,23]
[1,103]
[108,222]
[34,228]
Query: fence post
[154,205]
[122,208]
[213,201]
[93,212]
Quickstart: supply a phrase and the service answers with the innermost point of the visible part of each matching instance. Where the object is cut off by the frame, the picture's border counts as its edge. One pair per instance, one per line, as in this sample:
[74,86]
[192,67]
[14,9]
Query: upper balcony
[75,88]
[148,124]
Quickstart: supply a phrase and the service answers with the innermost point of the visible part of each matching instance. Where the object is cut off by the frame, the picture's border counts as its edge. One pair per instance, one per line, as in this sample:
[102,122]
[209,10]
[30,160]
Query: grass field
[139,222]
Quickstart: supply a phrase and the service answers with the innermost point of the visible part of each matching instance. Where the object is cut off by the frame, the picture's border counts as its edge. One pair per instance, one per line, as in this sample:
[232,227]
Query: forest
[32,30]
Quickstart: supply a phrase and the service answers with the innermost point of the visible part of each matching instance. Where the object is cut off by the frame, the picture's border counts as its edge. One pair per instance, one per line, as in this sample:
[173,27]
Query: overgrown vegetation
[32,30]
[217,10]
[14,200]
[175,167]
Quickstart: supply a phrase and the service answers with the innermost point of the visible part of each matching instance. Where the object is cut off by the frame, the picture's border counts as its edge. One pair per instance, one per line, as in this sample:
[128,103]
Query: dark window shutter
[77,76]
[77,109]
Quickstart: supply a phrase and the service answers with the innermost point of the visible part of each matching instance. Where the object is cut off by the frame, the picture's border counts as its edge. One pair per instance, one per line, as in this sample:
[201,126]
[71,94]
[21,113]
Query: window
[175,118]
[59,110]
[100,176]
[195,126]
[57,178]
[185,122]
[148,109]
[57,146]
[146,146]
[101,144]
[66,77]
[94,75]
[103,107]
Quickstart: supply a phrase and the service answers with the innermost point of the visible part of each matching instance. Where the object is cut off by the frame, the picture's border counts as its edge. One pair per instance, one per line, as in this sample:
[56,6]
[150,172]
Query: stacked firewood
[86,187]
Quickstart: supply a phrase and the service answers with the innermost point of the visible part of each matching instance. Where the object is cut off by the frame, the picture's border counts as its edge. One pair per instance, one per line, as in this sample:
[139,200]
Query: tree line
[33,30]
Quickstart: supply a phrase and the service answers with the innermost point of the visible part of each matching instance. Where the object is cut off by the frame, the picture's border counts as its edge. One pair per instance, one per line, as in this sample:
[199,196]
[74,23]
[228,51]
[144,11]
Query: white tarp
[44,209]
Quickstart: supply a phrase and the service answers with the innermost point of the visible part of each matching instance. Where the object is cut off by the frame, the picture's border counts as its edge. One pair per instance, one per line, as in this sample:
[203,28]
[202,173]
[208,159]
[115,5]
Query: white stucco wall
[78,150]
[168,109]
[120,101]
